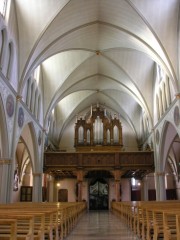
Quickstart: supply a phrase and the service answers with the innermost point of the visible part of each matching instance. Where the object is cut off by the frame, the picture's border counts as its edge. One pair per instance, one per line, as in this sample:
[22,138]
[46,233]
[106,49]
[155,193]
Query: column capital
[160,173]
[18,97]
[117,174]
[5,161]
[37,174]
[80,175]
[177,95]
[144,179]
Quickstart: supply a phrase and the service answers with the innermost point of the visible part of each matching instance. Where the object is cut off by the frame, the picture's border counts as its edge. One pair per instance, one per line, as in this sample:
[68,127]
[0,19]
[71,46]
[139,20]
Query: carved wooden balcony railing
[126,161]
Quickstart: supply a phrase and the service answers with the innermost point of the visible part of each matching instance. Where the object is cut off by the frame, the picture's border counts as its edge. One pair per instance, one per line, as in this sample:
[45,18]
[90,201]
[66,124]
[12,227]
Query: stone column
[178,189]
[79,199]
[50,191]
[117,178]
[79,184]
[14,142]
[144,189]
[160,186]
[5,170]
[37,187]
[178,193]
[157,186]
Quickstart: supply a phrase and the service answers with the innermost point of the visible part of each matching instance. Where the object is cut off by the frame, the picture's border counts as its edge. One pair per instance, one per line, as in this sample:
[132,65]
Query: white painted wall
[85,190]
[125,189]
[70,185]
[151,182]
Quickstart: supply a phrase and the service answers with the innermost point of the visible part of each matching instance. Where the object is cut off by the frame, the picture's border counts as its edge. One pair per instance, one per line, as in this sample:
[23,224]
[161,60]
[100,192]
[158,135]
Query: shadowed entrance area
[100,225]
[98,195]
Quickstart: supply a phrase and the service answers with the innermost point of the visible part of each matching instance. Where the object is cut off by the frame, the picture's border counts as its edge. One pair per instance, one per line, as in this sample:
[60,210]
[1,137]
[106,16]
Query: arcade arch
[168,165]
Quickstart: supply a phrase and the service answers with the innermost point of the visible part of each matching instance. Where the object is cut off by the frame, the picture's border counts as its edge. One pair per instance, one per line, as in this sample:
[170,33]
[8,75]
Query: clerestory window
[3,4]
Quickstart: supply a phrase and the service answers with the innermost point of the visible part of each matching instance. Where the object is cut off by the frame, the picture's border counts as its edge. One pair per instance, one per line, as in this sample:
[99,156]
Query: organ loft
[98,131]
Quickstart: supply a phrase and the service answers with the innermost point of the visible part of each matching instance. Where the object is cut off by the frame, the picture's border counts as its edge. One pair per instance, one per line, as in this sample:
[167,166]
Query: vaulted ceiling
[97,51]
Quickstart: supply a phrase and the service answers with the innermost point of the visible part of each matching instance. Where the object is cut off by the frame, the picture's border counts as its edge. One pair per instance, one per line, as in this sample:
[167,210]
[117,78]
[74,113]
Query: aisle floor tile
[101,225]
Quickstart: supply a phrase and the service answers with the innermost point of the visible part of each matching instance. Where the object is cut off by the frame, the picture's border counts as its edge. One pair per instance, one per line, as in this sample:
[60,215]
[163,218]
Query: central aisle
[100,225]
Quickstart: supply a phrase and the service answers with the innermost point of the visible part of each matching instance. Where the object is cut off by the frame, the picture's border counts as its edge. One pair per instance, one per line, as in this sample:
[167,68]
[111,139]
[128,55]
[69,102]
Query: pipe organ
[99,131]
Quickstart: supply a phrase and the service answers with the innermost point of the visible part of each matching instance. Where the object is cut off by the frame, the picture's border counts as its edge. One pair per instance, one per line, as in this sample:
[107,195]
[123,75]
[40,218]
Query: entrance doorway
[98,195]
[63,195]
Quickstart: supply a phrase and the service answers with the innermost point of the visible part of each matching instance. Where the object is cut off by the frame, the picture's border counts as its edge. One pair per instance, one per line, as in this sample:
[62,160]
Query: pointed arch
[27,159]
[28,134]
[168,135]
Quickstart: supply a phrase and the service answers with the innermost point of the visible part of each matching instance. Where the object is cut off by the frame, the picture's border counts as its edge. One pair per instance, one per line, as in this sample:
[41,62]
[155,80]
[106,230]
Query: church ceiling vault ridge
[97,51]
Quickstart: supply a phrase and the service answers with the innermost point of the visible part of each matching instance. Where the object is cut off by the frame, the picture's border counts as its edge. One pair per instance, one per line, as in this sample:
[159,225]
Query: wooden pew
[43,220]
[152,219]
[171,221]
[53,220]
[158,222]
[21,233]
[11,224]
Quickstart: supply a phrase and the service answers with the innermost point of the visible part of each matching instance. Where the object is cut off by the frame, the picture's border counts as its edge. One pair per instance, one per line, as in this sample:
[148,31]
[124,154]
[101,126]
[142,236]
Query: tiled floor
[100,225]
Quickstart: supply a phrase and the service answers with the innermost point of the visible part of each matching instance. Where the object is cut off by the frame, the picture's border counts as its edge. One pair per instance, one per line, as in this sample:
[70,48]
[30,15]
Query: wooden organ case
[98,131]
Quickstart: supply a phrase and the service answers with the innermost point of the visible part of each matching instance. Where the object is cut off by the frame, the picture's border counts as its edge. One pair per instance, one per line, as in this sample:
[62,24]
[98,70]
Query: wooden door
[63,195]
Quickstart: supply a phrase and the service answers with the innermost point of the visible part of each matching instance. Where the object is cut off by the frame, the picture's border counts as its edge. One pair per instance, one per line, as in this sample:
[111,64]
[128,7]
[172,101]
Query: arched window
[160,103]
[10,61]
[28,93]
[7,60]
[158,107]
[1,42]
[37,74]
[168,93]
[36,102]
[3,47]
[164,96]
[39,107]
[3,4]
[160,73]
[32,97]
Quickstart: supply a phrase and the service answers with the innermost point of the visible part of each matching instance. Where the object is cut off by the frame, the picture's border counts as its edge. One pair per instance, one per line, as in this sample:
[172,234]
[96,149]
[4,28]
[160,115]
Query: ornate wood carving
[126,162]
[89,142]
